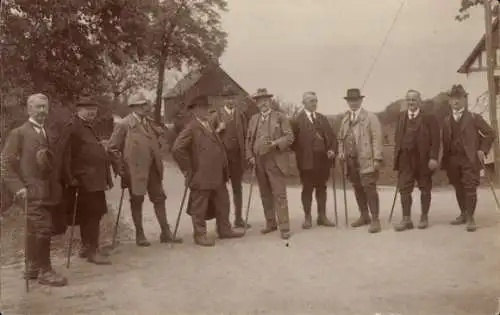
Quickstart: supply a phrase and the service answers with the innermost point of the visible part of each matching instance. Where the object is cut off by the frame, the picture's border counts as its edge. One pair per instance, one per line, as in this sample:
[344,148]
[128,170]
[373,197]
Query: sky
[328,46]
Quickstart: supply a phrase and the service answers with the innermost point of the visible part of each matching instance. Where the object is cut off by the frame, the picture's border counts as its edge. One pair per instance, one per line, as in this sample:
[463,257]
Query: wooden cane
[490,183]
[335,197]
[342,167]
[178,220]
[26,244]
[252,179]
[115,231]
[72,229]
[394,200]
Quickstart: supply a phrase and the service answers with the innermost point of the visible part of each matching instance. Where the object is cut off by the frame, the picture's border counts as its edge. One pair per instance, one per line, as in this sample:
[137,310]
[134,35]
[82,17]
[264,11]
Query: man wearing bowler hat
[467,138]
[201,156]
[135,145]
[315,147]
[269,136]
[88,172]
[231,123]
[360,149]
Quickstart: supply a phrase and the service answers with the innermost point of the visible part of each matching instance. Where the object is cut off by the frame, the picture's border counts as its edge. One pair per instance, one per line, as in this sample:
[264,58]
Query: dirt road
[442,270]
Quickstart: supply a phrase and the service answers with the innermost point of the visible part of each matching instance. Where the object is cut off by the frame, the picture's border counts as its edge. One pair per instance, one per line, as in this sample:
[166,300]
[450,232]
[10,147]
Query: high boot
[460,194]
[406,223]
[84,247]
[374,205]
[239,222]
[321,201]
[470,203]
[166,234]
[361,200]
[306,198]
[425,201]
[47,275]
[200,232]
[94,255]
[32,269]
[140,238]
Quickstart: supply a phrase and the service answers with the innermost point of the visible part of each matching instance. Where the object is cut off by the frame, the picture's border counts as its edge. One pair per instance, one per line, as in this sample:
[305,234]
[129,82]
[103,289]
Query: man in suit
[88,176]
[269,136]
[231,125]
[315,146]
[417,142]
[201,156]
[29,172]
[135,146]
[360,149]
[467,138]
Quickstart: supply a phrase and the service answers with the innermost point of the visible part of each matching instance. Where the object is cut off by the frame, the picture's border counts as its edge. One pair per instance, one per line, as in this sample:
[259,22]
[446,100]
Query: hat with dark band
[457,90]
[86,101]
[353,94]
[261,93]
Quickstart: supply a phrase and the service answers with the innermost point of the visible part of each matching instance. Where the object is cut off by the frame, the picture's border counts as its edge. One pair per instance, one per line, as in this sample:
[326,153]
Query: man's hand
[220,127]
[330,154]
[433,164]
[251,161]
[377,165]
[341,156]
[21,194]
[481,156]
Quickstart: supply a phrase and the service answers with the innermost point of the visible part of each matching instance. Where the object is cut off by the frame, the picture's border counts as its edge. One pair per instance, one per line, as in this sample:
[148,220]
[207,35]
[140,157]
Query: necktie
[457,115]
[313,118]
[145,124]
[412,115]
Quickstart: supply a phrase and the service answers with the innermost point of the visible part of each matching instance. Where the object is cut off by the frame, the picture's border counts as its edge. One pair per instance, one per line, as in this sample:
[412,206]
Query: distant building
[211,80]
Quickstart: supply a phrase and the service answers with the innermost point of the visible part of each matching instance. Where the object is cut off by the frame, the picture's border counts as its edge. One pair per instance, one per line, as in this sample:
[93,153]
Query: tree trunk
[159,88]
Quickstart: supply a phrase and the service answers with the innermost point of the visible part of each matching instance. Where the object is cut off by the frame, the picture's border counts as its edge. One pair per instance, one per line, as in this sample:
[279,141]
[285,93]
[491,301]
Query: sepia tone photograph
[244,157]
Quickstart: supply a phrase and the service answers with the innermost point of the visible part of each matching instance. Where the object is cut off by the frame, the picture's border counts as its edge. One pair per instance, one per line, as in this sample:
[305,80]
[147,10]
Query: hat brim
[256,97]
[354,97]
[137,104]
[87,104]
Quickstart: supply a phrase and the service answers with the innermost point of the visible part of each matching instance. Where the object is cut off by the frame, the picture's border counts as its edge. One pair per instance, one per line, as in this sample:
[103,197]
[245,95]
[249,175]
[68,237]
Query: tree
[185,32]
[288,108]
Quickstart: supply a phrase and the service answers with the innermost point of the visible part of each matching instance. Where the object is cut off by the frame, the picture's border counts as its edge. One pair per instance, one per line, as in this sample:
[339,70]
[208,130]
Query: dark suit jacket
[195,150]
[20,168]
[304,130]
[428,138]
[476,135]
[86,159]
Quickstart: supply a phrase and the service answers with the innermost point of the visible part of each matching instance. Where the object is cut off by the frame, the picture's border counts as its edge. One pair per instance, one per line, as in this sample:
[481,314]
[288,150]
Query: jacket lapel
[465,120]
[207,132]
[134,122]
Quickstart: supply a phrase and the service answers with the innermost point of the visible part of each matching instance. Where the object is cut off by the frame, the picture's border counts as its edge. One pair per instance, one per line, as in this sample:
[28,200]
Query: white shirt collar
[414,114]
[266,114]
[228,110]
[459,111]
[310,114]
[34,122]
[353,114]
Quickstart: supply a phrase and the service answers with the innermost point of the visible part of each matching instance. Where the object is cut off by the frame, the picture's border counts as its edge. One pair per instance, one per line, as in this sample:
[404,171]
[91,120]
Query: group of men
[213,148]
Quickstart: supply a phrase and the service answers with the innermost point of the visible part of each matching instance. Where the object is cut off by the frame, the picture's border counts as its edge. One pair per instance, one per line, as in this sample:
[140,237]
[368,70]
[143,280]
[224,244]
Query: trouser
[215,201]
[465,178]
[315,179]
[236,178]
[272,188]
[365,188]
[411,171]
[39,232]
[91,206]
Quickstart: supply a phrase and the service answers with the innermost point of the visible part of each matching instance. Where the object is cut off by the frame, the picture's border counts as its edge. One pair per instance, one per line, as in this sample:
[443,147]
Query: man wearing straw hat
[269,136]
[135,146]
[88,171]
[360,149]
[467,138]
[29,172]
[315,146]
[201,156]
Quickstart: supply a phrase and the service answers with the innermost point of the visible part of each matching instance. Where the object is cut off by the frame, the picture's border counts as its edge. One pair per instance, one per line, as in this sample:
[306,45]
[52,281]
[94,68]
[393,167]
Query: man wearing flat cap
[231,123]
[315,147]
[467,138]
[88,176]
[135,146]
[201,156]
[269,136]
[417,144]
[29,172]
[360,149]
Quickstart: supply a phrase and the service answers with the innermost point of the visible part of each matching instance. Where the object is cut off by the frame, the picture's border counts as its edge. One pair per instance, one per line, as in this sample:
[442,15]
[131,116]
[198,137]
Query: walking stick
[72,229]
[490,183]
[26,240]
[342,168]
[252,179]
[335,197]
[180,213]
[115,231]
[394,200]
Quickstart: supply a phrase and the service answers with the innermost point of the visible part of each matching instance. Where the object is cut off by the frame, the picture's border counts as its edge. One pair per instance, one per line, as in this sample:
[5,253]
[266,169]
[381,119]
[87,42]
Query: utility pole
[492,87]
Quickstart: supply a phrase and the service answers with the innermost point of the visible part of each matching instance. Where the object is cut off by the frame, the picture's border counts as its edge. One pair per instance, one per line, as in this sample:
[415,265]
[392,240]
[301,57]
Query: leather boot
[364,219]
[460,195]
[322,219]
[285,234]
[140,238]
[470,203]
[374,204]
[425,201]
[269,228]
[166,234]
[406,223]
[306,198]
[238,210]
[47,276]
[203,240]
[361,200]
[31,272]
[84,247]
[93,254]
[230,234]
[307,221]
